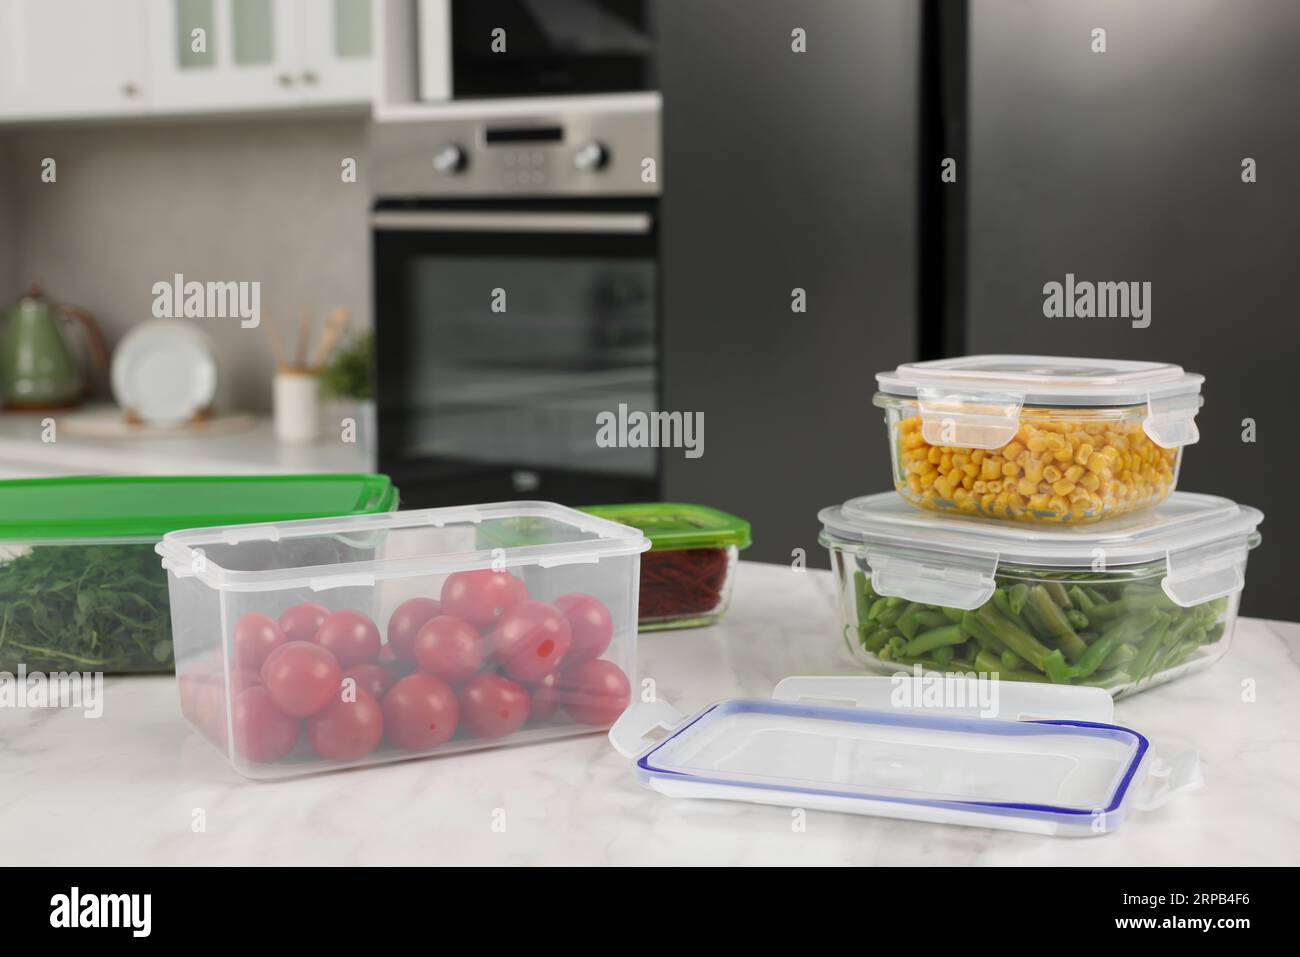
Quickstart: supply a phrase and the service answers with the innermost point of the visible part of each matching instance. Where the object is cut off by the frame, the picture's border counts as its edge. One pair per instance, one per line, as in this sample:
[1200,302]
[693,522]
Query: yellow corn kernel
[1082,453]
[1051,473]
[934,455]
[1026,487]
[1090,481]
[1010,469]
[943,487]
[1039,501]
[1036,443]
[1063,486]
[995,487]
[1074,472]
[978,456]
[989,469]
[1064,455]
[1034,471]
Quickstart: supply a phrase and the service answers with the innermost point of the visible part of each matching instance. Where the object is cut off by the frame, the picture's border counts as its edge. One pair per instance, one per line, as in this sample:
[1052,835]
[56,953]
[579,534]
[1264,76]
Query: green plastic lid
[674,525]
[146,507]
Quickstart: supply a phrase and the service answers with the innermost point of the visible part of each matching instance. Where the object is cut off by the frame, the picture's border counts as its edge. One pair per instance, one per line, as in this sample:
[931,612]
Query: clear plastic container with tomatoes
[311,645]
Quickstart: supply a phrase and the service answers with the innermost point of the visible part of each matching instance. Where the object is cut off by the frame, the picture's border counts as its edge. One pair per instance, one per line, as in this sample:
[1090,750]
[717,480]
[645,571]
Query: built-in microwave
[511,48]
[516,300]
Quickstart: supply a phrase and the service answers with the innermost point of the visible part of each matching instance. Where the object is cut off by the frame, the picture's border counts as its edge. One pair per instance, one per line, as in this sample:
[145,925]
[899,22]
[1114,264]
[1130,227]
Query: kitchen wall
[135,203]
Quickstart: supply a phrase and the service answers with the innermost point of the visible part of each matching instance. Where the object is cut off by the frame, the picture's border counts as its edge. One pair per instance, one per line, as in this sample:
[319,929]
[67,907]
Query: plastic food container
[312,645]
[1038,759]
[687,576]
[1135,602]
[80,585]
[1035,438]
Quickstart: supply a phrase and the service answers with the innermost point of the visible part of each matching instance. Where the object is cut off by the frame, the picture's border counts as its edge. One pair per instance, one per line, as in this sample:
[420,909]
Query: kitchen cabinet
[62,59]
[72,58]
[242,54]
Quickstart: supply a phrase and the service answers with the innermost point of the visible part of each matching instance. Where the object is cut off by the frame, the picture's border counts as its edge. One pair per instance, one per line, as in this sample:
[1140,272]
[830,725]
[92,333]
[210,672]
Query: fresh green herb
[350,374]
[85,608]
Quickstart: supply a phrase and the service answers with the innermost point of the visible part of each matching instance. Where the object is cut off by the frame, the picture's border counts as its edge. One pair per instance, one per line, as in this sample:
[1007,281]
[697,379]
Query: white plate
[163,372]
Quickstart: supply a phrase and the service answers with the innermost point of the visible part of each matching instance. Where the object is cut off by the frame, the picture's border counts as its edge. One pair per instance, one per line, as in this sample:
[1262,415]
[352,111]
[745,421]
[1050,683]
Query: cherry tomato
[450,648]
[546,697]
[493,706]
[301,677]
[481,596]
[256,636]
[348,728]
[530,640]
[372,679]
[301,622]
[195,697]
[350,636]
[595,692]
[262,731]
[408,618]
[590,623]
[420,712]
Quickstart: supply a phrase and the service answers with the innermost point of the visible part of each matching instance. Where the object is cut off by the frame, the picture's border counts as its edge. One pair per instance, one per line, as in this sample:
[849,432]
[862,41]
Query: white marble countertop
[253,451]
[124,789]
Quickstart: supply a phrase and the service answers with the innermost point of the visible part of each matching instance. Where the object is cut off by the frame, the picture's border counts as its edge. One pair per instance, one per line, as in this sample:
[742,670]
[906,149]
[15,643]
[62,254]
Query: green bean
[862,604]
[1055,623]
[1122,654]
[1058,593]
[1011,661]
[1081,599]
[1017,596]
[1057,670]
[1017,639]
[1077,619]
[1002,601]
[876,608]
[991,665]
[954,615]
[1105,611]
[935,638]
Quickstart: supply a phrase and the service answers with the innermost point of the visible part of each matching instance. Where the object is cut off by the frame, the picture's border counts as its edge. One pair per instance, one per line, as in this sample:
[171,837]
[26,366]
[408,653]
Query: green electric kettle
[38,369]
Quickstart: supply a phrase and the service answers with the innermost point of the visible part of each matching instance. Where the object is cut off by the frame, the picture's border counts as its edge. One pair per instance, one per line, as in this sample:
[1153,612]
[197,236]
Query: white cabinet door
[223,54]
[336,55]
[72,58]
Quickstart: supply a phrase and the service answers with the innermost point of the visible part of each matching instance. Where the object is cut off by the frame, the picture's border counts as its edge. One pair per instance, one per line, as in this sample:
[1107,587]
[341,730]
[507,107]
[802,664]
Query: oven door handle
[494,221]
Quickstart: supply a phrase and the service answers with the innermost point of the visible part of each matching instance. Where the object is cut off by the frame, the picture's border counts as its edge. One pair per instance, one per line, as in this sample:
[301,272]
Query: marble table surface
[126,789]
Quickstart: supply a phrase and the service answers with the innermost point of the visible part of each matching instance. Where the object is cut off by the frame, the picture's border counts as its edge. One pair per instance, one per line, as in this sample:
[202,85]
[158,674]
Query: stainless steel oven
[516,299]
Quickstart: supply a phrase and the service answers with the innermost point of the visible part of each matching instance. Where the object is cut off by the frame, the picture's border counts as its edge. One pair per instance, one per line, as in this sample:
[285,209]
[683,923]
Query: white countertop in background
[123,789]
[252,450]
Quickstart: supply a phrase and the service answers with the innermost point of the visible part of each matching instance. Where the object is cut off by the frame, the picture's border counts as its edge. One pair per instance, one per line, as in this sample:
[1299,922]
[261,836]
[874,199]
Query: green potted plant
[349,377]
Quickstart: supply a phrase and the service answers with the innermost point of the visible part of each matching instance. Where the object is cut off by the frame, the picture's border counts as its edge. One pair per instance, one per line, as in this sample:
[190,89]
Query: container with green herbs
[1122,605]
[81,588]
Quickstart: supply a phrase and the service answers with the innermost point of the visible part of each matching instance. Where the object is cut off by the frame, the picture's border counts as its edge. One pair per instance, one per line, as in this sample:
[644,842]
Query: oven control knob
[591,157]
[450,159]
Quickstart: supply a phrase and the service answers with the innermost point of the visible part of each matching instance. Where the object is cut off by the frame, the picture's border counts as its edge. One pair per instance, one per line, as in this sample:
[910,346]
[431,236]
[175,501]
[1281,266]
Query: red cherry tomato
[256,636]
[450,648]
[262,731]
[420,712]
[590,623]
[530,640]
[372,679]
[408,618]
[348,729]
[301,622]
[301,677]
[595,692]
[481,596]
[492,706]
[546,697]
[350,636]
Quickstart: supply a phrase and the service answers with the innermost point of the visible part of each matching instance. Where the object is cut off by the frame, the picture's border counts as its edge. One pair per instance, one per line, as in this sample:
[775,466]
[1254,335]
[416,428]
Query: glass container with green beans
[1133,603]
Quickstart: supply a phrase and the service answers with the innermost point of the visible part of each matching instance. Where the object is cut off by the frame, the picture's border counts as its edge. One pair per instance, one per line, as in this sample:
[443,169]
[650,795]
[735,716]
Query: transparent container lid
[858,745]
[360,550]
[1045,380]
[952,560]
[977,400]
